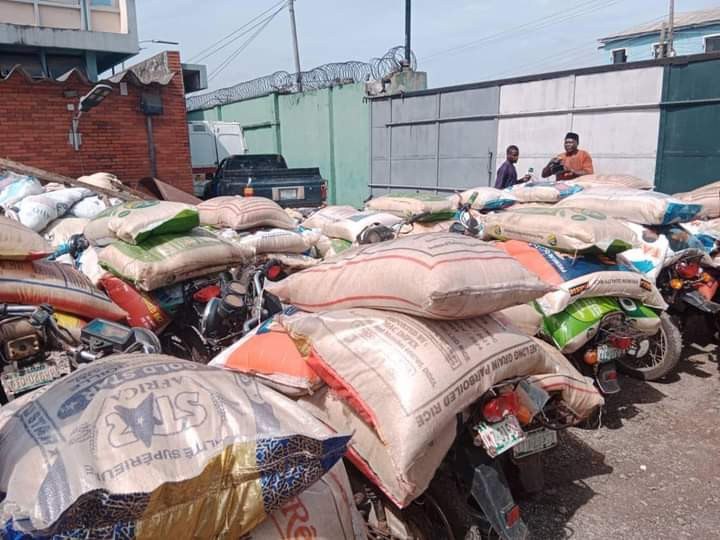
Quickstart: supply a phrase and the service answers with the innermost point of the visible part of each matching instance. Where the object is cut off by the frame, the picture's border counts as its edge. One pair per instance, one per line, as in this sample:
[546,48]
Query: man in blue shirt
[507,174]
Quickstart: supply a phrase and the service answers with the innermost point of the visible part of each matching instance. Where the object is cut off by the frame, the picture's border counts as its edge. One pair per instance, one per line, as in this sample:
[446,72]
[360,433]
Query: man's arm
[502,177]
[547,171]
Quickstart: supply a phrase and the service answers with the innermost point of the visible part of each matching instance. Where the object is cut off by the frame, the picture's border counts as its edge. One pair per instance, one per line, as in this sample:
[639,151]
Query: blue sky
[455,41]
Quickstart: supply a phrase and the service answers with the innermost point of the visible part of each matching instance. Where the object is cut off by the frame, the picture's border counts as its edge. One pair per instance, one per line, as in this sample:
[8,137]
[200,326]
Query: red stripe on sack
[340,265]
[354,298]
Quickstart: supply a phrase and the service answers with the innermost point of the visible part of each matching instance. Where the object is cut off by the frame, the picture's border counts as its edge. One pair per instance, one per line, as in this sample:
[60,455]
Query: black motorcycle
[35,350]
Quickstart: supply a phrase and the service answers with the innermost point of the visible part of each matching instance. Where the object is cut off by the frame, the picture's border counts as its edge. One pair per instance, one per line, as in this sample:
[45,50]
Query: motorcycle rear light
[611,375]
[274,272]
[590,357]
[622,343]
[498,408]
[206,294]
[512,516]
[688,269]
[676,284]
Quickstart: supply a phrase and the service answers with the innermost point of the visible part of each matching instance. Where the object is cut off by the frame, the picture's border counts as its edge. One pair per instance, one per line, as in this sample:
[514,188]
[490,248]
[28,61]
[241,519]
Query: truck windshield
[249,163]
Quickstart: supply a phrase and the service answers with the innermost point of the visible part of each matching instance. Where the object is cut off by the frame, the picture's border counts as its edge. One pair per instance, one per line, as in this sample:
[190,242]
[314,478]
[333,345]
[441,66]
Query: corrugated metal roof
[682,20]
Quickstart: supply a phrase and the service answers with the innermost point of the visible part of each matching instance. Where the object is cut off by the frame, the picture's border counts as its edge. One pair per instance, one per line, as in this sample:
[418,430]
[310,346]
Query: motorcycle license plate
[17,382]
[535,441]
[501,436]
[607,353]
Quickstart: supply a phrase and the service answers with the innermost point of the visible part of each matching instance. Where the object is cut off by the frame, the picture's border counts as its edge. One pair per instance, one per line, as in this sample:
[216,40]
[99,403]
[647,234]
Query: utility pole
[407,32]
[298,73]
[671,25]
[662,44]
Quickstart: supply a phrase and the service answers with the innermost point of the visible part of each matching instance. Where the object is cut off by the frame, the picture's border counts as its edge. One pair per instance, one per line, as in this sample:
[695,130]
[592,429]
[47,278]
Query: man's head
[571,142]
[512,153]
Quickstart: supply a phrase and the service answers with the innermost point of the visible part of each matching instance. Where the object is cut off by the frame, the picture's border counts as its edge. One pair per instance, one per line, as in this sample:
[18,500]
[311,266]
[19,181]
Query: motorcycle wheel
[656,356]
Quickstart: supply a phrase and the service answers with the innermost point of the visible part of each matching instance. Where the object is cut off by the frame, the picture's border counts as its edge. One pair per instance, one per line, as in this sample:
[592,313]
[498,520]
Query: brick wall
[35,123]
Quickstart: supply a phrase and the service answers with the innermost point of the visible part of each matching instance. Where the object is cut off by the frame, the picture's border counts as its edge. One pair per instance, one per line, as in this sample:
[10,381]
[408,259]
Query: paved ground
[652,471]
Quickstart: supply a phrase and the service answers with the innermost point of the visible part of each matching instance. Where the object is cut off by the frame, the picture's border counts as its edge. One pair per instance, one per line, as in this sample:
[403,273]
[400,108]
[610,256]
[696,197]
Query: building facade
[50,37]
[694,32]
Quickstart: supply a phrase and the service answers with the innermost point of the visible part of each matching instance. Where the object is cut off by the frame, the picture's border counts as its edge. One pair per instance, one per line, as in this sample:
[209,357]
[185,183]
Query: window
[619,56]
[108,3]
[658,51]
[712,43]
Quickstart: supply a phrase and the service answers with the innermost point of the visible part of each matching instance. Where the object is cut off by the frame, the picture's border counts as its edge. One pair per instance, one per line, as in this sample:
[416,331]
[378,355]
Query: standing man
[573,163]
[507,174]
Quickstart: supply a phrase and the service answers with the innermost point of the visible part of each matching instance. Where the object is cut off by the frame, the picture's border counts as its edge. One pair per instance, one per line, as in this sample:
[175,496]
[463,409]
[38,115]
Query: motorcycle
[498,450]
[35,350]
[217,311]
[604,335]
[690,288]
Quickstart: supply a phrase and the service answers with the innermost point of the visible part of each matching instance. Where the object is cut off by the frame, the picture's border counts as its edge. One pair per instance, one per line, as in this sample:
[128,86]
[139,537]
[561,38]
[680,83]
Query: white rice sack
[37,211]
[488,198]
[347,223]
[60,230]
[23,187]
[88,208]
[89,265]
[611,180]
[649,257]
[542,192]
[634,205]
[275,240]
[103,180]
[708,196]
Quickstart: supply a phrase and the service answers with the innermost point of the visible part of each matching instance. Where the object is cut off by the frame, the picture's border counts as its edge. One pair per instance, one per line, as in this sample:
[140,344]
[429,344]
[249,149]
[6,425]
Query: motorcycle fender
[699,302]
[491,492]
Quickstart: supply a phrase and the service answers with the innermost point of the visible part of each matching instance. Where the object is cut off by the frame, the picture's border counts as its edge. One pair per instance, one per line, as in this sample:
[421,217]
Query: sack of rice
[242,213]
[581,277]
[407,377]
[347,223]
[89,265]
[488,198]
[60,230]
[405,205]
[649,257]
[135,222]
[18,189]
[291,262]
[18,243]
[435,275]
[9,177]
[142,310]
[88,208]
[330,247]
[102,180]
[61,286]
[271,355]
[37,211]
[324,511]
[611,180]
[542,192]
[151,446]
[708,196]
[634,205]
[573,230]
[274,240]
[569,330]
[167,259]
[524,317]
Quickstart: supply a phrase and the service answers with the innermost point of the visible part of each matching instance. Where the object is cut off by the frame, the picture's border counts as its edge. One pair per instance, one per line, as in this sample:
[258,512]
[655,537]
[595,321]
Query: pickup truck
[267,175]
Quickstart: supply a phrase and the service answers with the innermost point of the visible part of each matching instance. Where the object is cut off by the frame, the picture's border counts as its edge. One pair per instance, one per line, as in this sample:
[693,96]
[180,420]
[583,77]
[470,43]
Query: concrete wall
[690,41]
[328,128]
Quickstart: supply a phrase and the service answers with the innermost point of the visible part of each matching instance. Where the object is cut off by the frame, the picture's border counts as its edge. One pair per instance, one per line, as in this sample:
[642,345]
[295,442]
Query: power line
[229,59]
[552,19]
[201,55]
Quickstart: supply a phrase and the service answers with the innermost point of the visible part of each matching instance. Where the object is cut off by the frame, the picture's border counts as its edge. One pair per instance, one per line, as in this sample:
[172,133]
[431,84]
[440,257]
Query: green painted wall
[328,128]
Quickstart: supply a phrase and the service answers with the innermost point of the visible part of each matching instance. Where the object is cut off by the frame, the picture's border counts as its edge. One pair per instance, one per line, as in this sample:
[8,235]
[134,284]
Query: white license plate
[288,194]
[606,353]
[501,436]
[17,382]
[535,441]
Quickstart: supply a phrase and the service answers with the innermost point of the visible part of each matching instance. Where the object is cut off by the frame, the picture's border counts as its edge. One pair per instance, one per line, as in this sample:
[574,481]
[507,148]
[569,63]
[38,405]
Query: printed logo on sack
[552,240]
[136,205]
[644,284]
[161,416]
[578,289]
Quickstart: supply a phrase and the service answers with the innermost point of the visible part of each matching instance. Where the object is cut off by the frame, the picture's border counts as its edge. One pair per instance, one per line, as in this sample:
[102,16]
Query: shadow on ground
[566,470]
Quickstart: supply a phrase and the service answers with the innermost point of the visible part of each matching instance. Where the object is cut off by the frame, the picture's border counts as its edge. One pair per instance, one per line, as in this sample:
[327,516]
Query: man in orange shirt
[573,163]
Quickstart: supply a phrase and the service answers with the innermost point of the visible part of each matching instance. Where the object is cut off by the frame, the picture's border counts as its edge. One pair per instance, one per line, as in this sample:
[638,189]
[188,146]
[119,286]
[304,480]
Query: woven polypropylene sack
[542,192]
[149,447]
[436,275]
[18,243]
[38,211]
[88,208]
[143,311]
[324,511]
[708,196]
[167,259]
[611,180]
[135,222]
[436,207]
[573,230]
[347,223]
[408,377]
[635,205]
[276,240]
[18,189]
[242,213]
[60,230]
[60,285]
[488,198]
